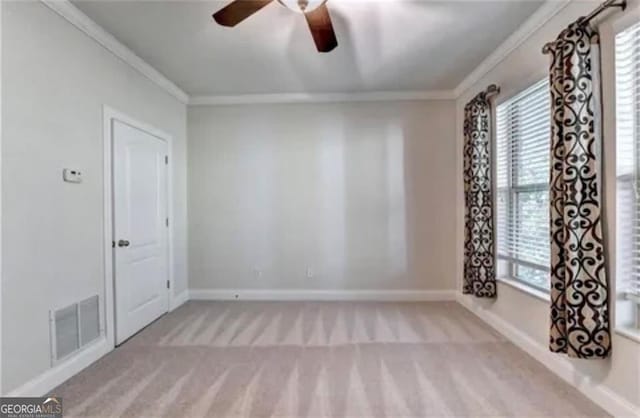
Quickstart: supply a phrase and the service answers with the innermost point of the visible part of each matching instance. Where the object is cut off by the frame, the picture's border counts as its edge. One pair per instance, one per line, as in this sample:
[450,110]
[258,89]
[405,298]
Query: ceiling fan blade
[322,29]
[239,10]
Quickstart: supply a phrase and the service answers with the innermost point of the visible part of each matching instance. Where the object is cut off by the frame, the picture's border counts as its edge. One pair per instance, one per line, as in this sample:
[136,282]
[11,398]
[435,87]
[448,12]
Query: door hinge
[168,284]
[166,159]
[113,244]
[166,222]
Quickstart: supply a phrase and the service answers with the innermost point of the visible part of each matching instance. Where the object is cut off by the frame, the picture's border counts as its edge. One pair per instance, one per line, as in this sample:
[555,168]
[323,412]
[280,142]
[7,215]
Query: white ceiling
[384,45]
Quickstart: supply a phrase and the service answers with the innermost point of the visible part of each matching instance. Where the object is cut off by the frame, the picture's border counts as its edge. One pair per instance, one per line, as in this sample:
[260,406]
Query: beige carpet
[316,359]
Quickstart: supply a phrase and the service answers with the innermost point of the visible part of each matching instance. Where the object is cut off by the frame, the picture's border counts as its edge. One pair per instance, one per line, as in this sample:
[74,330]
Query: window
[523,131]
[628,172]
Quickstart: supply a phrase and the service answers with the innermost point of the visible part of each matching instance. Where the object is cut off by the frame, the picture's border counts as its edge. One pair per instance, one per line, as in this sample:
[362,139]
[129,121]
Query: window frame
[622,301]
[512,191]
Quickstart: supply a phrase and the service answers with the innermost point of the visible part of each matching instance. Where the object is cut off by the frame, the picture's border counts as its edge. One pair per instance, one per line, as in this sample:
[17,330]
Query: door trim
[109,115]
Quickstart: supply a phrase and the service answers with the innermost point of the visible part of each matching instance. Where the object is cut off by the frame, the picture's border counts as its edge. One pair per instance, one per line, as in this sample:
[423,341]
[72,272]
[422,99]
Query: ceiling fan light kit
[302,6]
[315,12]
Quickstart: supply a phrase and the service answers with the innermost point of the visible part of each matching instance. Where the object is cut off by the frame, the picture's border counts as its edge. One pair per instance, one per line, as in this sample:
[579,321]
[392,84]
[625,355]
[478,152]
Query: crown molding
[283,98]
[541,16]
[80,20]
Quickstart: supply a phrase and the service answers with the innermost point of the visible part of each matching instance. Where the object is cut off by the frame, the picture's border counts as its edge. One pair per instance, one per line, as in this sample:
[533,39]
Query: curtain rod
[622,4]
[491,90]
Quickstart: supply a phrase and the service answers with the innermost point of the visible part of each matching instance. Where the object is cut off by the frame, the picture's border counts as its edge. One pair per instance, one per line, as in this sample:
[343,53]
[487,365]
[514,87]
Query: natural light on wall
[628,172]
[523,187]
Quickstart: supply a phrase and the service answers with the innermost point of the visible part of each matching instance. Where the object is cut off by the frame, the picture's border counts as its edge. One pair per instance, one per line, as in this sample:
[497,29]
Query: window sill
[630,333]
[538,294]
[627,332]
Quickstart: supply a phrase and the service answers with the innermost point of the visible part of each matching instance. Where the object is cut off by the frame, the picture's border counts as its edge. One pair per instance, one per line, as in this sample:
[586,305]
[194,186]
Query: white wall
[619,375]
[55,82]
[361,193]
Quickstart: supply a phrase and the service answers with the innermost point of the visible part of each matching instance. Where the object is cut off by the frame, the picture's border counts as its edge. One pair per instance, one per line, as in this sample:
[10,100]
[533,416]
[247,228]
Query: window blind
[628,160]
[522,163]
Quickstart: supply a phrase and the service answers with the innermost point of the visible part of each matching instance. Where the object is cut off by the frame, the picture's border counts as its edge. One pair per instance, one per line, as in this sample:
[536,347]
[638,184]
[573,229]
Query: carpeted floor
[320,359]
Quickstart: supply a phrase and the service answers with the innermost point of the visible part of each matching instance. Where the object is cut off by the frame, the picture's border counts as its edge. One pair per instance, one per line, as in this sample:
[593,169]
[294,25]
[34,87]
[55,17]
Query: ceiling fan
[315,11]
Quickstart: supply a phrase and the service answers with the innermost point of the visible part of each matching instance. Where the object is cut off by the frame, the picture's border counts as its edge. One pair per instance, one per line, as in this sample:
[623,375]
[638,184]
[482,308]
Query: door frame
[110,115]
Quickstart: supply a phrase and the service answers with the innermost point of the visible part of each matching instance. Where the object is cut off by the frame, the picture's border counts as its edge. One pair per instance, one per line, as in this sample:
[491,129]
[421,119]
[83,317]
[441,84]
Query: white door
[140,229]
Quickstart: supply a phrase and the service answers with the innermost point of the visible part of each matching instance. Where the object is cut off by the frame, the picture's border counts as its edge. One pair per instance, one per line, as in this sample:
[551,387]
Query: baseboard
[601,395]
[56,375]
[322,295]
[179,299]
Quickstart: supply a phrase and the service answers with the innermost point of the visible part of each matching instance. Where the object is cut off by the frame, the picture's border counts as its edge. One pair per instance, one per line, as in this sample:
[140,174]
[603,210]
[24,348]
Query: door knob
[123,243]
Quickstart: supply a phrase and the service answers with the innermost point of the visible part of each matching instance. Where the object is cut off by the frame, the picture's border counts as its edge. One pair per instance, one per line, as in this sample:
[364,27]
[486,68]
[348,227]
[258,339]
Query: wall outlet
[309,273]
[71,175]
[257,272]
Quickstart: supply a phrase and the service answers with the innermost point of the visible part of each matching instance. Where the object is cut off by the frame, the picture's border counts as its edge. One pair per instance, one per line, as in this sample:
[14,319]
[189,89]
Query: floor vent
[73,327]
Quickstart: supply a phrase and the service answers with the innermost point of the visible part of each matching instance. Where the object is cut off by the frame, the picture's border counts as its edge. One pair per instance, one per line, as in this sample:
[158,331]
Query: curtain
[579,289]
[479,268]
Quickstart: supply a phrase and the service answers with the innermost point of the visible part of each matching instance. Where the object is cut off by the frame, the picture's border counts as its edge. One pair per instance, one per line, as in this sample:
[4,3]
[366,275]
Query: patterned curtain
[479,269]
[579,290]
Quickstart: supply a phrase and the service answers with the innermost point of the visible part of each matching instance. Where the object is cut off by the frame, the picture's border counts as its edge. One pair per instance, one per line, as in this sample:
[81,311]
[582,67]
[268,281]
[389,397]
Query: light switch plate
[71,175]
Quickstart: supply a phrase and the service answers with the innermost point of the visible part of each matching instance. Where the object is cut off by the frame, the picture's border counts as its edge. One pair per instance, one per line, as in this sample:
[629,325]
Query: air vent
[73,327]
